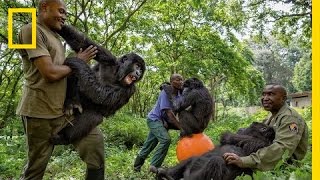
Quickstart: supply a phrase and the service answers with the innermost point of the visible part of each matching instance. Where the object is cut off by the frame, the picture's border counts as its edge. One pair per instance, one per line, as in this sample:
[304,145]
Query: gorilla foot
[163,174]
[58,140]
[153,169]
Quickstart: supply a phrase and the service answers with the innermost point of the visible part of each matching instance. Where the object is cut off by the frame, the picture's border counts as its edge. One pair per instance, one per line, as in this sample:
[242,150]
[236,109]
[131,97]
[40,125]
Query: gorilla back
[194,107]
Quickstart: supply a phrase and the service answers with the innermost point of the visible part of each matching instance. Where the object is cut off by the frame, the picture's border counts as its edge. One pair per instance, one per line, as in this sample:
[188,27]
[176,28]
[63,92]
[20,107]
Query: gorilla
[211,165]
[194,107]
[94,93]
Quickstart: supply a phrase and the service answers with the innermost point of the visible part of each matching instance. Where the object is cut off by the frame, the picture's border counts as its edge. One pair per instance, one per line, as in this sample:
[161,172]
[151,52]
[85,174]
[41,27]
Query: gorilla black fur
[100,90]
[211,165]
[196,96]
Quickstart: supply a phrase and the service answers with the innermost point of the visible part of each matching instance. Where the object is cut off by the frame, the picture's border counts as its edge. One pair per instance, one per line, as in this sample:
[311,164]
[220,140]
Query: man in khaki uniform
[291,133]
[44,91]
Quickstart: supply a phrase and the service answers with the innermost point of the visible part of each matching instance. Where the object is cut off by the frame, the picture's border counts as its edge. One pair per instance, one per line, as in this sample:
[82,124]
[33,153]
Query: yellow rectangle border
[33,24]
[315,89]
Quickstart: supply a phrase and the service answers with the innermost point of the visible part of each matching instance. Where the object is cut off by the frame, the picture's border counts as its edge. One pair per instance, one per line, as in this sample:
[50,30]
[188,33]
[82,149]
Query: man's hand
[232,158]
[88,53]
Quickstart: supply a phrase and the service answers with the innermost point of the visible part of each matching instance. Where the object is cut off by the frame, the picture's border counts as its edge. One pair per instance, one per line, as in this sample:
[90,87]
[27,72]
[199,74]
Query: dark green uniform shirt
[291,134]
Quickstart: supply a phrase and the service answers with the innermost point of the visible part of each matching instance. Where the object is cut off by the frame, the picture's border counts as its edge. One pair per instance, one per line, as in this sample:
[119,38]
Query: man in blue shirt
[158,132]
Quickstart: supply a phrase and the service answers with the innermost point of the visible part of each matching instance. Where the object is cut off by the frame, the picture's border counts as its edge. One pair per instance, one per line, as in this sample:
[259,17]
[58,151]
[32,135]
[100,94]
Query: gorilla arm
[186,100]
[172,118]
[181,103]
[94,90]
[248,143]
[78,40]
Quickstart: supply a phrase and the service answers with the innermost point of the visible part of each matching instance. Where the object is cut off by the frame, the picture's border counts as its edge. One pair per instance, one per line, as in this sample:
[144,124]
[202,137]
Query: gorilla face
[133,76]
[191,83]
[258,129]
[131,68]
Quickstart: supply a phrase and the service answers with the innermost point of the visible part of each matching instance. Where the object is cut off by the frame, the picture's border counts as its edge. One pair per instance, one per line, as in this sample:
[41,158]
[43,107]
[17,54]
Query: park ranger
[291,133]
[44,91]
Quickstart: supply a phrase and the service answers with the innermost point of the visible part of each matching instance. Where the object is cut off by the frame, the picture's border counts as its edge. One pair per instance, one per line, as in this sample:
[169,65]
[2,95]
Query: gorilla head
[131,68]
[193,83]
[127,70]
[258,130]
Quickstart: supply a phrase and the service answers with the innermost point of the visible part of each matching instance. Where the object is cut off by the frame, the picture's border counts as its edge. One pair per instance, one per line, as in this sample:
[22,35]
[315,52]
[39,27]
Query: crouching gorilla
[98,92]
[211,165]
[194,107]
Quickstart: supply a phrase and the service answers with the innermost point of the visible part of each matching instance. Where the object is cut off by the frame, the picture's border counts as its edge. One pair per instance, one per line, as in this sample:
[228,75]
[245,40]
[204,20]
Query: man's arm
[78,40]
[172,118]
[52,72]
[267,158]
[48,70]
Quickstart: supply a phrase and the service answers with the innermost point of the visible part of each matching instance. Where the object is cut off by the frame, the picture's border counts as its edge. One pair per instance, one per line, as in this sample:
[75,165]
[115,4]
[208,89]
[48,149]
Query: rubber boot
[138,164]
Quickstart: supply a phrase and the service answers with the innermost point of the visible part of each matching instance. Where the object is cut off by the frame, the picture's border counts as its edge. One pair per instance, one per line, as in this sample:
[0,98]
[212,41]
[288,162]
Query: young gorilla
[195,95]
[211,165]
[98,92]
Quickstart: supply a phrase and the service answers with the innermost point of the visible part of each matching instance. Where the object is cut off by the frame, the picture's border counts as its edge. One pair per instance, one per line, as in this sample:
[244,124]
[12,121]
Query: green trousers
[158,137]
[38,131]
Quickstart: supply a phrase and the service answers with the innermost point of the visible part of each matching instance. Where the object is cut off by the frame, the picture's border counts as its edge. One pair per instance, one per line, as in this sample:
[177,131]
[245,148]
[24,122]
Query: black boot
[138,164]
[95,174]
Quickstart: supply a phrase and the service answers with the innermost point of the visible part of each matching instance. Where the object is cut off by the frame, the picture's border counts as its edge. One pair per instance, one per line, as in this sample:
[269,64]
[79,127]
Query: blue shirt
[163,103]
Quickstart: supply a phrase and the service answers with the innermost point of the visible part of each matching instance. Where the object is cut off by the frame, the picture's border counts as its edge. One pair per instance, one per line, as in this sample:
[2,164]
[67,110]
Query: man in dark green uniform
[291,133]
[44,91]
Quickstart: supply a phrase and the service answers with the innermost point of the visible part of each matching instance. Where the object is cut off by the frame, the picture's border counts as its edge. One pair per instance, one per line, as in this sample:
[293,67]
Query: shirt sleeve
[286,139]
[164,101]
[25,37]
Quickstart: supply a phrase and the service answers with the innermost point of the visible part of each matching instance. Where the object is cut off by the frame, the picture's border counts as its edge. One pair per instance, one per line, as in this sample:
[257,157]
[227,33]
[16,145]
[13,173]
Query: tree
[302,80]
[277,61]
[290,19]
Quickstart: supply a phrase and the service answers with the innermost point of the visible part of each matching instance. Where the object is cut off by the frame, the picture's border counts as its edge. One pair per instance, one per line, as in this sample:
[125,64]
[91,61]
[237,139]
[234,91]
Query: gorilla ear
[124,58]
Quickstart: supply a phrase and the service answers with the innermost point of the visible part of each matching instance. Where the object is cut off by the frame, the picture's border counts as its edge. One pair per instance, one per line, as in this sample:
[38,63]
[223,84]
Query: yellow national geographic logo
[34,28]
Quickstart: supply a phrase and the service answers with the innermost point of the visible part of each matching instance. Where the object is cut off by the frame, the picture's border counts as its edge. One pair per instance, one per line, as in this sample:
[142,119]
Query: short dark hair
[174,76]
[47,2]
[278,85]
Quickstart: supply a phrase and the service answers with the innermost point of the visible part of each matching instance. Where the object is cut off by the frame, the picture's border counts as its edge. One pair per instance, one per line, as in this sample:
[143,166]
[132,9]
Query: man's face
[272,98]
[55,14]
[177,82]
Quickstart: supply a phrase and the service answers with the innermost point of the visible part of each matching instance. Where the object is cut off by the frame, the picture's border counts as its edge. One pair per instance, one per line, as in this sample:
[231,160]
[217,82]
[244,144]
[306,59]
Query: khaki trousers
[38,131]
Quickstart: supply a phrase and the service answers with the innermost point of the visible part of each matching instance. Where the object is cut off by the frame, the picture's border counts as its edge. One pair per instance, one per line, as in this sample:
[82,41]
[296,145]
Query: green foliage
[12,156]
[125,130]
[289,22]
[302,74]
[278,62]
[297,170]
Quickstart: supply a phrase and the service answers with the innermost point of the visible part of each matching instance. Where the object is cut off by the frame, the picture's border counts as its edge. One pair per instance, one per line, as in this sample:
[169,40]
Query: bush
[12,156]
[124,130]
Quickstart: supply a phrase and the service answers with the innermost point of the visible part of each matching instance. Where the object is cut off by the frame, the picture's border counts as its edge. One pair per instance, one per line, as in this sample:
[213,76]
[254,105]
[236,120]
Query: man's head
[273,97]
[52,13]
[176,81]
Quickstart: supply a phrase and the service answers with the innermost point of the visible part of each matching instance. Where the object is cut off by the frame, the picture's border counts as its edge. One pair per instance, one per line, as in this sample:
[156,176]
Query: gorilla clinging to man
[212,165]
[194,107]
[98,92]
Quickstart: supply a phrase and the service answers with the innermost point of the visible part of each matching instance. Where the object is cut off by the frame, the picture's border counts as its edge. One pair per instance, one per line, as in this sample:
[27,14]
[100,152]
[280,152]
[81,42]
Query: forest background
[234,46]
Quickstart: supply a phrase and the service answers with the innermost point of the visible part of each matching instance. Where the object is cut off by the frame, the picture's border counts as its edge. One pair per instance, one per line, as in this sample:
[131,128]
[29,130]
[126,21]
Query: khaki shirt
[291,134]
[41,99]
